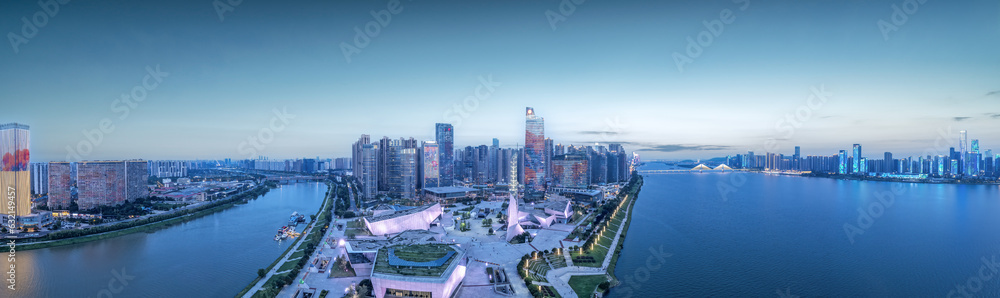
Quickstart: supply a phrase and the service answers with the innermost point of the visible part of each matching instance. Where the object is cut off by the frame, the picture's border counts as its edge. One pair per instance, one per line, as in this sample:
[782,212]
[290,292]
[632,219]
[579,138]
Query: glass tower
[534,154]
[445,137]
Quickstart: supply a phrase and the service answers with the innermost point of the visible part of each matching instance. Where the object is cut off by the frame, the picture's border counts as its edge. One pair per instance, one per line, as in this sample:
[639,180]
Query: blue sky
[607,73]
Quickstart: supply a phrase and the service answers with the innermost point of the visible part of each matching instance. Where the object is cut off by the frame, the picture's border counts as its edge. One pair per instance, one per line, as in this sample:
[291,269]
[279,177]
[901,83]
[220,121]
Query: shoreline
[180,218]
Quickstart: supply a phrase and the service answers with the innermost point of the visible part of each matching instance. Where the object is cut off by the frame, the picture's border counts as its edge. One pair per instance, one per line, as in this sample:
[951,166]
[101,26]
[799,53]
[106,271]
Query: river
[729,235]
[212,256]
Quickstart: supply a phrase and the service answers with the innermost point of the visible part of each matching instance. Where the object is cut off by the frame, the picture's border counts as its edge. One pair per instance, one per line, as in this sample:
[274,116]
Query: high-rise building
[383,163]
[856,169]
[842,160]
[431,168]
[168,168]
[445,137]
[15,177]
[368,170]
[402,168]
[975,145]
[356,154]
[110,183]
[534,151]
[571,170]
[39,178]
[60,181]
[548,155]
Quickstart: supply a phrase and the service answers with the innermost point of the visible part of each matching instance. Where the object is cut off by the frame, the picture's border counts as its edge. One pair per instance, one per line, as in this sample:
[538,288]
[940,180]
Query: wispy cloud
[993,115]
[594,132]
[992,93]
[683,147]
[959,119]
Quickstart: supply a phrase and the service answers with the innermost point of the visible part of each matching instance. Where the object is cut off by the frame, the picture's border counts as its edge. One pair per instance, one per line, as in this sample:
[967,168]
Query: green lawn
[584,285]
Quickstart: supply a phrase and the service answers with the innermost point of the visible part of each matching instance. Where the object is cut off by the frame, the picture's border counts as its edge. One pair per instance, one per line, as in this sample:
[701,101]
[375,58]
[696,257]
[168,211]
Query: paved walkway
[273,271]
[559,278]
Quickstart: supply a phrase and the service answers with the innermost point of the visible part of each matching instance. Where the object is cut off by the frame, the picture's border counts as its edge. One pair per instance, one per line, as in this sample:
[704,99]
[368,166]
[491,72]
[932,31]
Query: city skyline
[236,74]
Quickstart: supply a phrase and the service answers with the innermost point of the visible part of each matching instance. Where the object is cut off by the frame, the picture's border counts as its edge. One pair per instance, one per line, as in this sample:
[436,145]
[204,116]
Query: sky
[208,80]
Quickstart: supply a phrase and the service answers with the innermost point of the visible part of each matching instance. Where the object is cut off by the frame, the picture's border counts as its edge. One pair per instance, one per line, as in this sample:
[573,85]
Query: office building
[571,170]
[431,166]
[15,177]
[368,170]
[445,138]
[534,151]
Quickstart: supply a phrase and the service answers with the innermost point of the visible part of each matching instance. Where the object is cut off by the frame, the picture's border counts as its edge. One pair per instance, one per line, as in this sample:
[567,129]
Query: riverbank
[156,222]
[267,285]
[905,180]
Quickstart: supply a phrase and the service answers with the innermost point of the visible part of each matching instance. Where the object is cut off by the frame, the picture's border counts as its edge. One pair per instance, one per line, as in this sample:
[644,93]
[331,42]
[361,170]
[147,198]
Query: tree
[491,231]
[261,272]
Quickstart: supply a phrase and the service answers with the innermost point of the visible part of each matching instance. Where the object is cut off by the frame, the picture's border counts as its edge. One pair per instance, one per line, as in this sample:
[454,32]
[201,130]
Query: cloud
[594,132]
[959,119]
[992,93]
[993,115]
[682,147]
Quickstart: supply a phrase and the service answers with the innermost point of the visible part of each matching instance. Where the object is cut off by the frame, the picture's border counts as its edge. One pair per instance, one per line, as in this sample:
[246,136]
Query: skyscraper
[356,154]
[59,185]
[857,159]
[368,170]
[15,178]
[39,178]
[571,170]
[445,137]
[431,167]
[534,151]
[548,156]
[402,167]
[842,159]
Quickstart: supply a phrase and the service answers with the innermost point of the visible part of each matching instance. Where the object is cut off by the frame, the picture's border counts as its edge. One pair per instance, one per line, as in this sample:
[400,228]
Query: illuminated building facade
[856,169]
[431,166]
[571,170]
[437,278]
[534,151]
[15,178]
[419,218]
[842,159]
[445,137]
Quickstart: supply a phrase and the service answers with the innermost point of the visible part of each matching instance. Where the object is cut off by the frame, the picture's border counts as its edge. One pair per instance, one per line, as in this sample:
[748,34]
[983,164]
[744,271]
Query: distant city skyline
[210,82]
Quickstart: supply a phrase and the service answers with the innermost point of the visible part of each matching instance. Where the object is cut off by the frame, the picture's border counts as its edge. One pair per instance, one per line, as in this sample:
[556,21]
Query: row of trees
[313,239]
[260,190]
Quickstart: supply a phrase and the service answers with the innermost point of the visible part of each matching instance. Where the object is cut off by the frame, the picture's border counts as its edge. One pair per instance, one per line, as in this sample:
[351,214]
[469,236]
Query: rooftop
[448,189]
[429,260]
[399,213]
